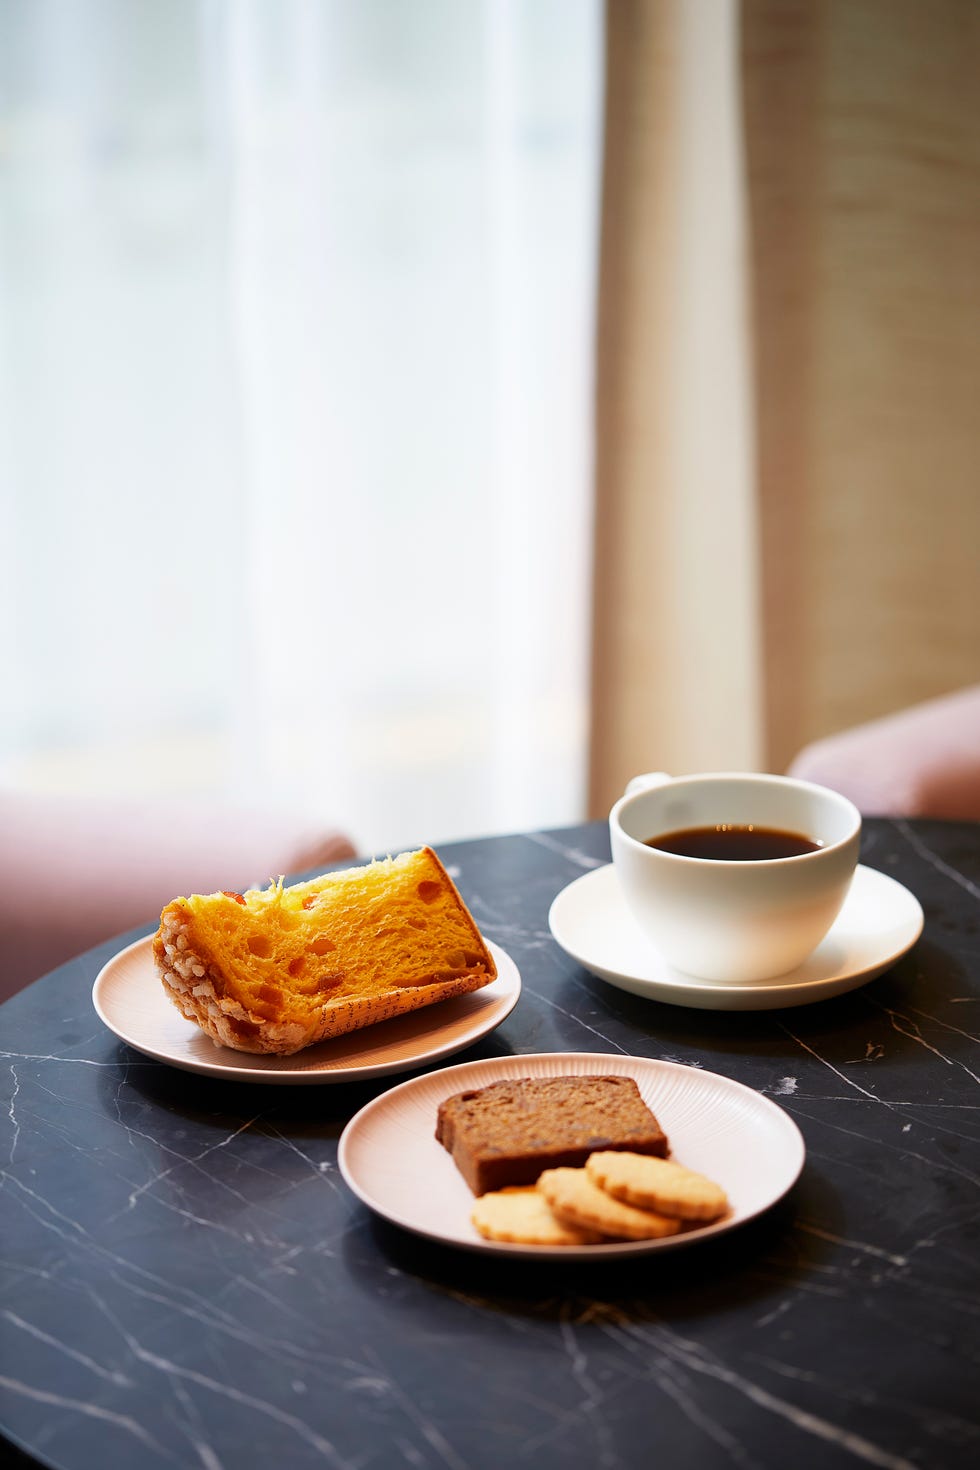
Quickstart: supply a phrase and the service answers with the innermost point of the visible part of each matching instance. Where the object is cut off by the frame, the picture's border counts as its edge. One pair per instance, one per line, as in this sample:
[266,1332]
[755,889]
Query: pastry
[657,1184]
[521,1215]
[577,1201]
[509,1132]
[277,969]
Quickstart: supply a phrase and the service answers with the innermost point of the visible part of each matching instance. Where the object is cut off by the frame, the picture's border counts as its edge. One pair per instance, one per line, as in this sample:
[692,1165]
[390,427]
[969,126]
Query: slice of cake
[510,1132]
[276,969]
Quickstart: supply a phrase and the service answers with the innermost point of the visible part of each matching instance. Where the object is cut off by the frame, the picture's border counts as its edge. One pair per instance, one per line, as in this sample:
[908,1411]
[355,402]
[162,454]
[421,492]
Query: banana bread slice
[511,1131]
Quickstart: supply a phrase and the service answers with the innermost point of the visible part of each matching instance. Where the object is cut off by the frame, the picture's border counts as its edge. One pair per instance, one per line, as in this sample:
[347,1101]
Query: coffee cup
[732,916]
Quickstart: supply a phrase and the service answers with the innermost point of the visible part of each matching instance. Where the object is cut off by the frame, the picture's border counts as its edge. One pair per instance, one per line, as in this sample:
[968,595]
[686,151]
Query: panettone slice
[277,969]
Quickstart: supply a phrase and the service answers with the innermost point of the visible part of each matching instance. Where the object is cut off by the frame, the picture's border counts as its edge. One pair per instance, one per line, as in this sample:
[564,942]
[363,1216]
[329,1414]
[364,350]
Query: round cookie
[576,1200]
[657,1184]
[520,1215]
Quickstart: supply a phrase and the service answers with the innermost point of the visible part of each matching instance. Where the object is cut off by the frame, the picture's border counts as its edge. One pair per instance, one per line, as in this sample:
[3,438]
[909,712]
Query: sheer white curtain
[296,304]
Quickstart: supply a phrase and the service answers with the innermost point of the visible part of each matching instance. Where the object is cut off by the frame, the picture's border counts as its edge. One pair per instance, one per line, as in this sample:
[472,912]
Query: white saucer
[879,922]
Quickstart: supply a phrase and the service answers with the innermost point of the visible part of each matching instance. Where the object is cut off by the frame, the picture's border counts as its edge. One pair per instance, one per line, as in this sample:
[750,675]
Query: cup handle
[647,782]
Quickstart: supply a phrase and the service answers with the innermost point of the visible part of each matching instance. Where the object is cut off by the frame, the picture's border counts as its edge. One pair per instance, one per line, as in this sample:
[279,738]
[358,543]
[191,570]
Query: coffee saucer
[879,921]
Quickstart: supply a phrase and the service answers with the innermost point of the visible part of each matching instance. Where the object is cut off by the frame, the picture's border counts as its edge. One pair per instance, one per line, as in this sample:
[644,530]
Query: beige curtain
[788,417]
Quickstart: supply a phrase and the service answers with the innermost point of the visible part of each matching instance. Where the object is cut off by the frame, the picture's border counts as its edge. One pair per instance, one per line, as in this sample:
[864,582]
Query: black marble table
[187,1281]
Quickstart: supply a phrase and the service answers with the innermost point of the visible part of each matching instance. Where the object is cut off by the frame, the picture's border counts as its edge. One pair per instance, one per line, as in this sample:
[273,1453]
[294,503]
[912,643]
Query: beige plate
[389,1156]
[129,997]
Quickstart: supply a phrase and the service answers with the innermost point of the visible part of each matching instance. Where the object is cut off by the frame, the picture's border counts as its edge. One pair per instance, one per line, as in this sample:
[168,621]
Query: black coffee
[731,842]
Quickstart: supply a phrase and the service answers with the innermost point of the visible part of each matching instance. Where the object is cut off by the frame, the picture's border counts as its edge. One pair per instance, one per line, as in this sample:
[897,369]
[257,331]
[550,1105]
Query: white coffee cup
[733,920]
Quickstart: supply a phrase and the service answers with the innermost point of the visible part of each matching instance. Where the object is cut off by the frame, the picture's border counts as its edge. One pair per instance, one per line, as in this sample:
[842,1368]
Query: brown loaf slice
[277,969]
[510,1132]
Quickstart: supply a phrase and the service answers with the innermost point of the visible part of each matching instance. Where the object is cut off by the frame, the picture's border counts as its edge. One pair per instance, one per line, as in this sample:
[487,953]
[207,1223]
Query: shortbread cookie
[576,1200]
[521,1216]
[657,1184]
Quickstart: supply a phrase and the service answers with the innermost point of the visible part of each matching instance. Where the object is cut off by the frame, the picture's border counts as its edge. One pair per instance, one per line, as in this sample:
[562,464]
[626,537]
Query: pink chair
[922,762]
[75,872]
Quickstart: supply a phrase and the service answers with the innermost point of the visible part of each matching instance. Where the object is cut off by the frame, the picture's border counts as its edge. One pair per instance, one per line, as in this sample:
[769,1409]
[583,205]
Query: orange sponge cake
[510,1132]
[277,969]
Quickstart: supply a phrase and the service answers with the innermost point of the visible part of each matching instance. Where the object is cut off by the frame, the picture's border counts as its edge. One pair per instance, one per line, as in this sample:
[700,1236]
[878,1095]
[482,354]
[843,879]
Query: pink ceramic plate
[390,1158]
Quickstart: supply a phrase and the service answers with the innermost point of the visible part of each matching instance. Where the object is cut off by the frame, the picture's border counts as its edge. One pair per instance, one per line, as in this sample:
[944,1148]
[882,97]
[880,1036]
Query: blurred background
[421,417]
[296,325]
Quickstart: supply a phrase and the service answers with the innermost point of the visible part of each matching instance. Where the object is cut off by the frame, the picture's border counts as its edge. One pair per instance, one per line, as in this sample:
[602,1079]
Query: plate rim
[250,1070]
[773,993]
[600,1061]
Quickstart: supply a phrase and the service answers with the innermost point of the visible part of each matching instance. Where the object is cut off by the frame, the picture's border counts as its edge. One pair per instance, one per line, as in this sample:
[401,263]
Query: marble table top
[185,1279]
